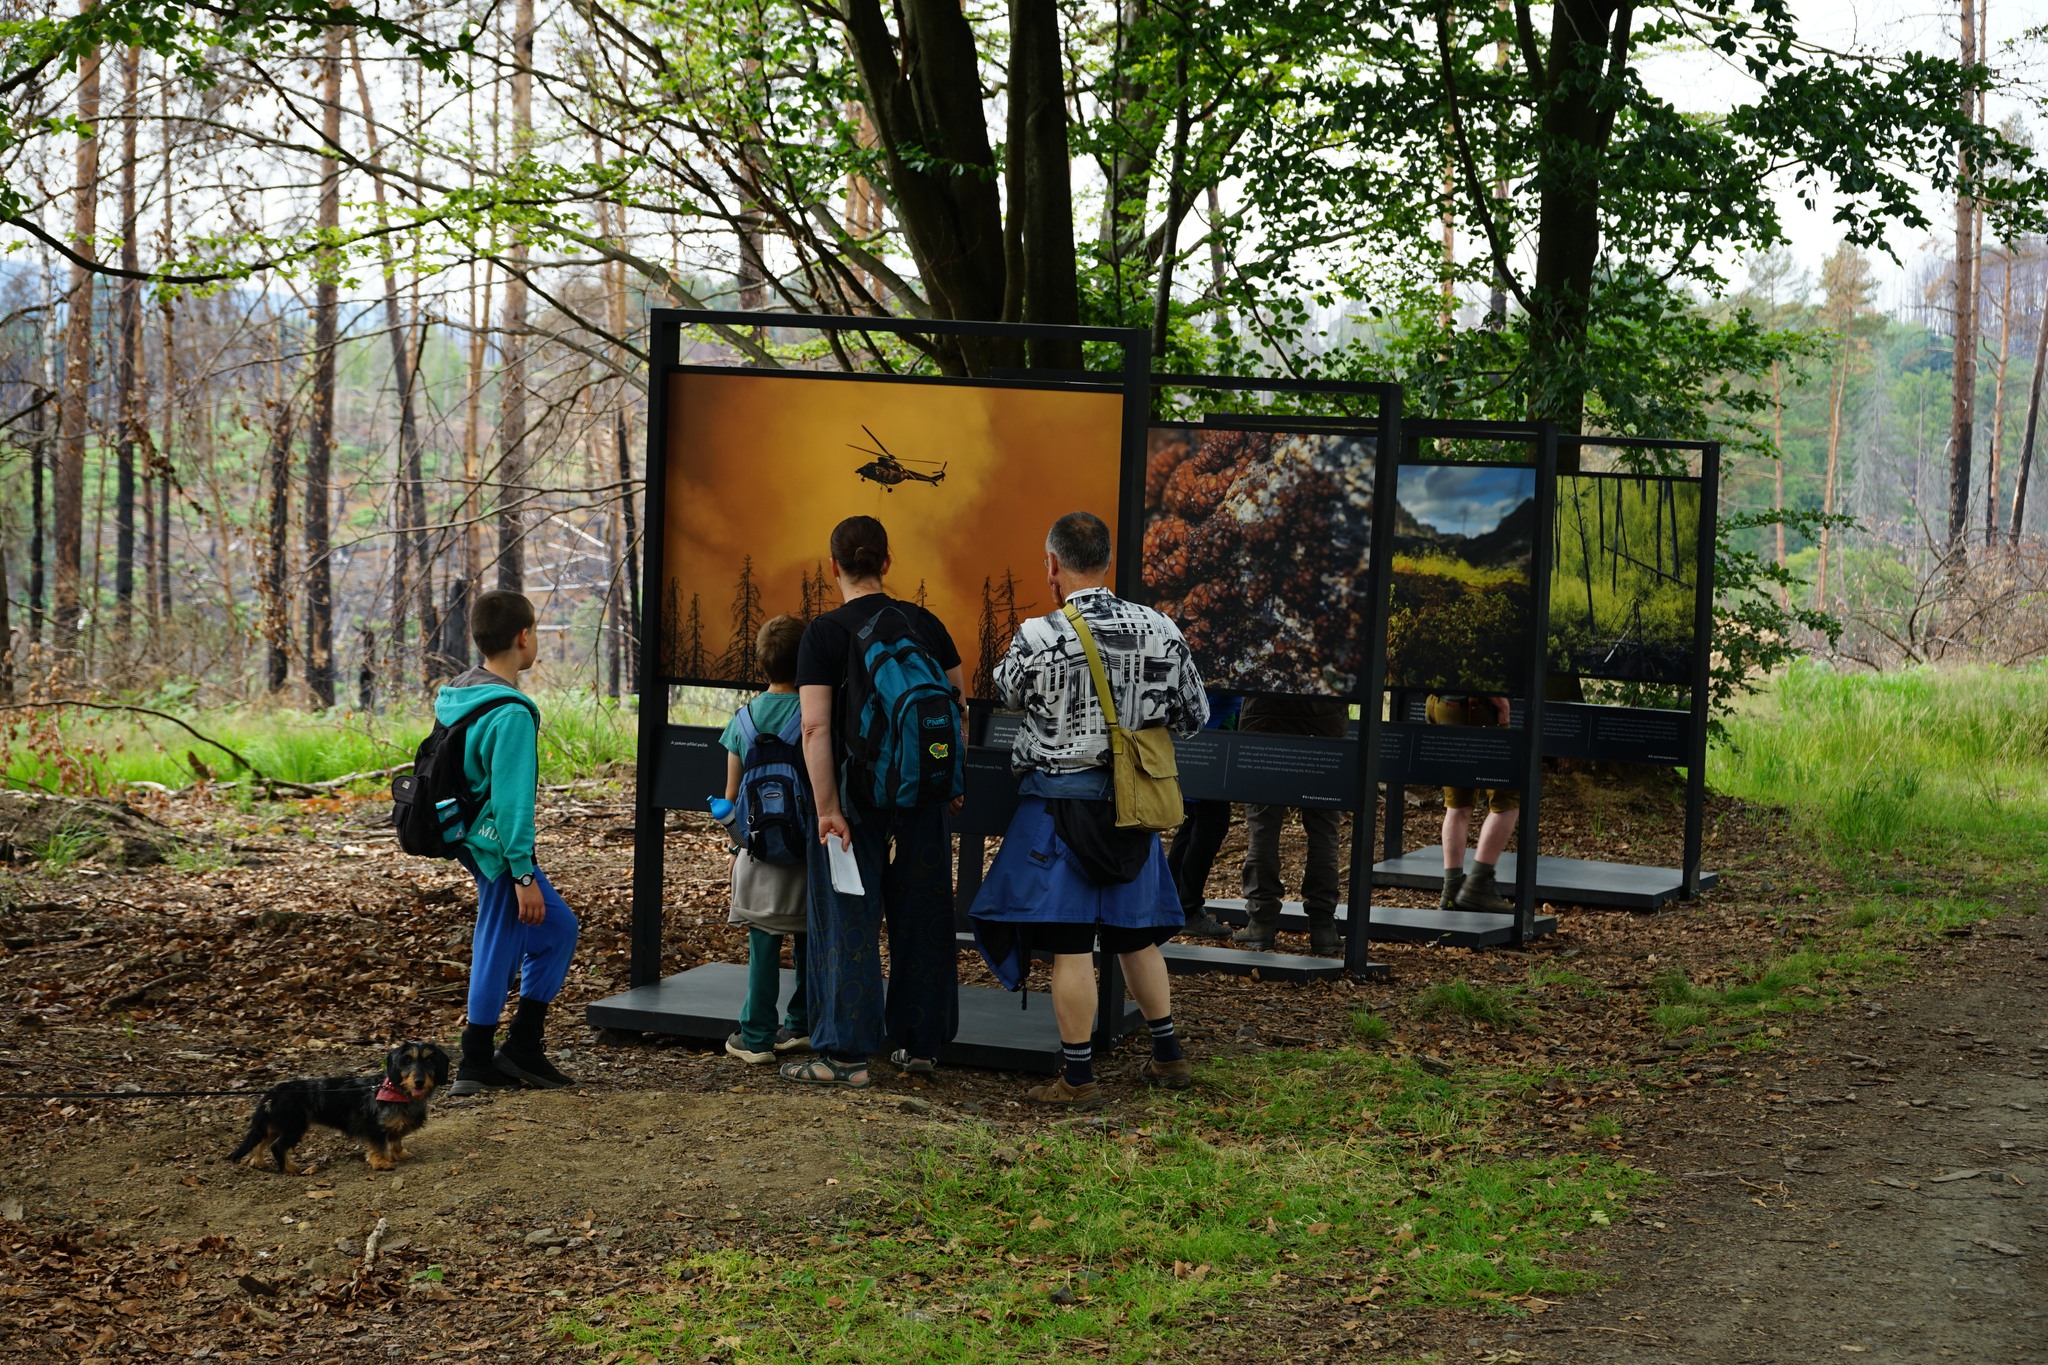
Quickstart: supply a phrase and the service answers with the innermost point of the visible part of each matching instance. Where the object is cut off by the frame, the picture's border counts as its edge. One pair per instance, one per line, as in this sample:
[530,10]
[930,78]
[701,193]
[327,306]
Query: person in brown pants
[1320,875]
[1477,890]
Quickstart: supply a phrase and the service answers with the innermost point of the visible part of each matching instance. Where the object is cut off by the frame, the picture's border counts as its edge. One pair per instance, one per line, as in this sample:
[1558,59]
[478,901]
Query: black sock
[1165,1046]
[1080,1062]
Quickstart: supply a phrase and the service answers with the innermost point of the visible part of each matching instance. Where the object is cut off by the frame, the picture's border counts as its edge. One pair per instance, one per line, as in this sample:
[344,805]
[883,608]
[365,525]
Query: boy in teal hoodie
[519,917]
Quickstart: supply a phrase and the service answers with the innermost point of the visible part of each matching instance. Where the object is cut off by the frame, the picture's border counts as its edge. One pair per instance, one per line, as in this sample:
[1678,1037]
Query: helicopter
[888,471]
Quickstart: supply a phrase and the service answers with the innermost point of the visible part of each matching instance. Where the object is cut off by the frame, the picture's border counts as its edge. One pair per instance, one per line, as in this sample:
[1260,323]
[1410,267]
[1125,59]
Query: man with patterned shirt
[1065,876]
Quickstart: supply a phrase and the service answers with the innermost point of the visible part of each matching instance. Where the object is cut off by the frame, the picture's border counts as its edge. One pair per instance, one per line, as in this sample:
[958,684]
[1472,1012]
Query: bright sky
[1706,81]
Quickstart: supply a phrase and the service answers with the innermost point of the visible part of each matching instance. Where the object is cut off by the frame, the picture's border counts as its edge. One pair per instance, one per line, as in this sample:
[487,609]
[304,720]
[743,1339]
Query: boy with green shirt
[519,917]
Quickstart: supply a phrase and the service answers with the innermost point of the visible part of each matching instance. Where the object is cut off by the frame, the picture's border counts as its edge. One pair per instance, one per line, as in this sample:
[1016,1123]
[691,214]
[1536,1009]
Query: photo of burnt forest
[966,478]
[1258,545]
[1623,578]
[1463,604]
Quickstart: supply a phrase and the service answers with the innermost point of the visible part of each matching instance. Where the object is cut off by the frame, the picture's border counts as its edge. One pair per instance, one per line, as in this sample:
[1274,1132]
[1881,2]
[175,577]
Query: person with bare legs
[1477,889]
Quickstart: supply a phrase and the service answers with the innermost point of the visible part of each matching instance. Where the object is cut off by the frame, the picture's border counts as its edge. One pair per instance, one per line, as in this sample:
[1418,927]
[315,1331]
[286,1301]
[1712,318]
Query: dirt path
[1877,1190]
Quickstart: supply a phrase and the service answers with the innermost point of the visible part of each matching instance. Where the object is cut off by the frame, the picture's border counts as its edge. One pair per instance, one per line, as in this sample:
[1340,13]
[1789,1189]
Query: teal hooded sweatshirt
[501,759]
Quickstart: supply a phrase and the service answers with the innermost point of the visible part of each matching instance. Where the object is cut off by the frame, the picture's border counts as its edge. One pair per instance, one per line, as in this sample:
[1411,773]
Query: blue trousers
[540,951]
[906,868]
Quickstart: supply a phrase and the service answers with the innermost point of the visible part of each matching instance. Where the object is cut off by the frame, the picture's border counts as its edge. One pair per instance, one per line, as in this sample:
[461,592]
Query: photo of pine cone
[1257,544]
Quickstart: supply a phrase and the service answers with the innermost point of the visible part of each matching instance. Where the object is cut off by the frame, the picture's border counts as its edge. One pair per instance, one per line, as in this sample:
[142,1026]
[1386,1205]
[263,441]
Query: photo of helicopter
[888,471]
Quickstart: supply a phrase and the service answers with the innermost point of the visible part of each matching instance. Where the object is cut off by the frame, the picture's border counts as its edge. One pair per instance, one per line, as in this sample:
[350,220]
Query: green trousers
[764,988]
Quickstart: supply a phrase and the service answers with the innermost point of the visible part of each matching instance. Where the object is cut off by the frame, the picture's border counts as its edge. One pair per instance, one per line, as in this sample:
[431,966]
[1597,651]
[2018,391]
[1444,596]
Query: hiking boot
[1056,1093]
[476,1072]
[736,1046]
[522,1055]
[1174,1075]
[1454,878]
[1481,892]
[1324,938]
[1258,933]
[1202,924]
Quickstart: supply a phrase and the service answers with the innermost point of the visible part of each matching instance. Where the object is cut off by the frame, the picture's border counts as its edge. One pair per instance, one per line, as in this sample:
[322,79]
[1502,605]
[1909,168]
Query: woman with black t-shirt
[904,854]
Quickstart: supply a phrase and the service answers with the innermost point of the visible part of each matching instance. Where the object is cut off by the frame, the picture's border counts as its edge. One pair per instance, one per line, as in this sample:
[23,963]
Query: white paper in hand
[845,868]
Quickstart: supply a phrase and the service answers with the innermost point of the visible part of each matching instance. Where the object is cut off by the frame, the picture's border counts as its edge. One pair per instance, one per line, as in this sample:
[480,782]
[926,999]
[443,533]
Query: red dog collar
[390,1094]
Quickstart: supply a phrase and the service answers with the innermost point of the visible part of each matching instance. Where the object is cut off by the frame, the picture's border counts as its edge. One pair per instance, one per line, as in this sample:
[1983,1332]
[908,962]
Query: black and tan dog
[378,1110]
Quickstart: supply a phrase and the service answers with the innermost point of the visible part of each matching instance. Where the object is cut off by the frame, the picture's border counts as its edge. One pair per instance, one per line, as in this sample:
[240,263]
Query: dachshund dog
[378,1110]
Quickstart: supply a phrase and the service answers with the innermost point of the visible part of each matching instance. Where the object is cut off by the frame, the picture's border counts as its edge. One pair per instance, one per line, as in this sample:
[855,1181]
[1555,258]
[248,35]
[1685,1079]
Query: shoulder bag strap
[1095,670]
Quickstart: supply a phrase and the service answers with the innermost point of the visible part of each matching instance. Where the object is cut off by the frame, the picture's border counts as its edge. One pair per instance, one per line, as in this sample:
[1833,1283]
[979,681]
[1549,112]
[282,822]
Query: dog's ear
[440,1061]
[394,1064]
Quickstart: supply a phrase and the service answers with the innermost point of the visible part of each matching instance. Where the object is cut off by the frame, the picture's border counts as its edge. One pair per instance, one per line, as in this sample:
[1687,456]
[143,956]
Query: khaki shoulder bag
[1143,766]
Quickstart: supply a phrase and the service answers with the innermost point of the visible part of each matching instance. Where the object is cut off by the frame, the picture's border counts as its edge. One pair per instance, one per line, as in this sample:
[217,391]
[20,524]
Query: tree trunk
[408,494]
[1176,208]
[126,370]
[320,438]
[926,101]
[166,472]
[1827,505]
[1129,168]
[512,464]
[1038,105]
[68,484]
[276,580]
[1963,398]
[1574,128]
[1778,465]
[1998,401]
[2019,494]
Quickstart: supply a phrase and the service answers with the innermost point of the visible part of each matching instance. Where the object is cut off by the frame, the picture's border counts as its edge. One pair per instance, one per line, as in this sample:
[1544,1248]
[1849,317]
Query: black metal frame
[665,333]
[1542,437]
[1701,685]
[1386,429]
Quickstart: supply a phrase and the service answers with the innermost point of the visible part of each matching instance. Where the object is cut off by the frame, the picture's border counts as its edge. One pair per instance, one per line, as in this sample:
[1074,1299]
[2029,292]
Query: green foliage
[66,847]
[1924,764]
[1120,1245]
[580,737]
[1481,1004]
[1369,1028]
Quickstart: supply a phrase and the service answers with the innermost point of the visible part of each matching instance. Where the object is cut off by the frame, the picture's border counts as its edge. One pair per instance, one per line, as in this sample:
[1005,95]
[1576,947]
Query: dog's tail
[259,1129]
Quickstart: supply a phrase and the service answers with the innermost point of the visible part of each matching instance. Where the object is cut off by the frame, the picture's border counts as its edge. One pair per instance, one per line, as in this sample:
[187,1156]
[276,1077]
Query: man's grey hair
[1081,542]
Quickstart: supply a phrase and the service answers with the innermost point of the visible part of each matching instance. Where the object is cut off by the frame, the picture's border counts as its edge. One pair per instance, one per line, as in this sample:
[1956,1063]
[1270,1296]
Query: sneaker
[1173,1075]
[785,1041]
[1454,878]
[736,1046]
[532,1068]
[1482,892]
[1256,936]
[1205,925]
[1056,1093]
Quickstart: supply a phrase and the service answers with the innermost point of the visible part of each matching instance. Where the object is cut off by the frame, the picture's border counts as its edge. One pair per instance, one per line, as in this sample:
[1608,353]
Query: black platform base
[997,1032]
[1566,881]
[1395,924]
[1193,957]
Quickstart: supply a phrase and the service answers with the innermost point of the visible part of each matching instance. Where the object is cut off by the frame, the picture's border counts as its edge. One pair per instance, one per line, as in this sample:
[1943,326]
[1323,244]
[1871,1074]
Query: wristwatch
[526,880]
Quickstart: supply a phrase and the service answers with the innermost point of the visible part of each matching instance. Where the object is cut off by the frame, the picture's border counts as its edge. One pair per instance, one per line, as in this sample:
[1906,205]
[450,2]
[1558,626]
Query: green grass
[1369,1028]
[1922,765]
[85,752]
[65,847]
[1553,976]
[1805,980]
[1473,576]
[1120,1246]
[1481,1004]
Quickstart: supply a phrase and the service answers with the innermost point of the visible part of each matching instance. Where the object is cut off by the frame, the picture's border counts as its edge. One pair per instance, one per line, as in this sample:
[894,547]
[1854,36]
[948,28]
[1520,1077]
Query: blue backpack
[903,718]
[773,821]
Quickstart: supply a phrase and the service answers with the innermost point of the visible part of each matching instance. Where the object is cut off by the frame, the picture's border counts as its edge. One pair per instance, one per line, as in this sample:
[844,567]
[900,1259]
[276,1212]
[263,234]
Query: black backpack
[432,806]
[902,717]
[774,822]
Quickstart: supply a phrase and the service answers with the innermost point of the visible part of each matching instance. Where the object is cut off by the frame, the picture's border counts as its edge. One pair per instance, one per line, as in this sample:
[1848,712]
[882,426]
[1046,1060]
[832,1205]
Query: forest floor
[1839,1152]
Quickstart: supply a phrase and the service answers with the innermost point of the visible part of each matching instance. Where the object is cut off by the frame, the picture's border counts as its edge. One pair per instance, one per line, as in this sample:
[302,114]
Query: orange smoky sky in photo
[762,466]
